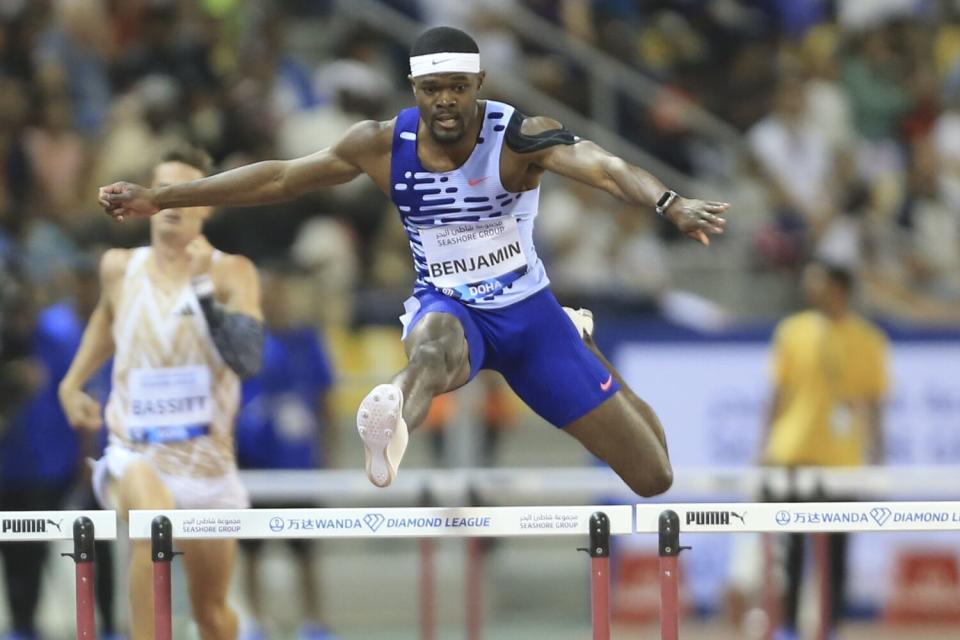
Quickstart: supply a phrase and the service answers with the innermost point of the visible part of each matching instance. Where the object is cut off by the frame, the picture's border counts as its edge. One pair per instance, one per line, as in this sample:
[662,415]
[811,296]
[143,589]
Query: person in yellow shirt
[830,377]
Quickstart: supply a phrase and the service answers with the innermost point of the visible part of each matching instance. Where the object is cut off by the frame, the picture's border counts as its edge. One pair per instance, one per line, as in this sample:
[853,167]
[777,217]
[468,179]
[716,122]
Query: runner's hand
[82,411]
[697,218]
[201,256]
[125,199]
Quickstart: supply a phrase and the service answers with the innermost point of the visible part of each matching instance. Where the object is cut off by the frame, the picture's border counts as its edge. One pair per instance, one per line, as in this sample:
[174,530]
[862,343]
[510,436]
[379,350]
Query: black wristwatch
[665,201]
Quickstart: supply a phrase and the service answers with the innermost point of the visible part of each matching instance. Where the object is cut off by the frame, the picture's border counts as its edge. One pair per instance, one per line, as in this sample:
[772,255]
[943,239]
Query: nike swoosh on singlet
[474,182]
[436,62]
[605,386]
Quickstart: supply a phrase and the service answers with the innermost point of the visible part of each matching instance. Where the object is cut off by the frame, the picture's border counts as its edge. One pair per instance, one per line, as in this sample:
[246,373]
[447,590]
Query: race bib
[169,398]
[473,260]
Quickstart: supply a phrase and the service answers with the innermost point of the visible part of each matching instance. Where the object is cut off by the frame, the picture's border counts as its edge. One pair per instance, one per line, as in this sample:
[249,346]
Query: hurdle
[770,517]
[48,526]
[594,523]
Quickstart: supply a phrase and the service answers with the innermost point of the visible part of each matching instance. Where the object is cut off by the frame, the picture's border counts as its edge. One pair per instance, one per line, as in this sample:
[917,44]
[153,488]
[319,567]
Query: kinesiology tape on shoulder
[528,143]
[238,337]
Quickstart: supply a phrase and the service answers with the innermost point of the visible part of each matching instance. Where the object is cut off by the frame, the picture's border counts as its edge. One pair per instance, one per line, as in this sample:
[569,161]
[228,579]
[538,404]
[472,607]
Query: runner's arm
[96,347]
[259,183]
[588,162]
[236,324]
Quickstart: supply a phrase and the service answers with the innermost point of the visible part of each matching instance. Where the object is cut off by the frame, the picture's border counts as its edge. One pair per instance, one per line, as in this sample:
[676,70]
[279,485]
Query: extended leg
[438,361]
[838,576]
[635,401]
[310,593]
[791,599]
[141,488]
[252,582]
[209,566]
[626,439]
[583,321]
[624,431]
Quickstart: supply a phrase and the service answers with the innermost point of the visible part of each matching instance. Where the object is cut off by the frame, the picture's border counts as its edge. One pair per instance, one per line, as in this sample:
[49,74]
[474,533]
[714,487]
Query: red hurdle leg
[83,556]
[669,575]
[161,534]
[600,575]
[474,590]
[427,590]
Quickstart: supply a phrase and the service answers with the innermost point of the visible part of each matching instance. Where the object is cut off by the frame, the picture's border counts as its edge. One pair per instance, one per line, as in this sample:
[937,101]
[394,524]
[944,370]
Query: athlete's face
[177,225]
[815,282]
[821,291]
[447,103]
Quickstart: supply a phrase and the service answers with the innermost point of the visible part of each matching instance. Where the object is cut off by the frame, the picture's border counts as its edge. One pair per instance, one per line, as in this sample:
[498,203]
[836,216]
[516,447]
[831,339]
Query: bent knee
[438,326]
[214,618]
[443,355]
[652,482]
[442,330]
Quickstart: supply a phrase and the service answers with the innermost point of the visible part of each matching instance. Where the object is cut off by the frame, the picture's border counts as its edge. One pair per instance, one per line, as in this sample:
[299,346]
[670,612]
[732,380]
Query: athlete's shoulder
[794,324]
[233,267]
[113,264]
[535,125]
[367,136]
[529,134]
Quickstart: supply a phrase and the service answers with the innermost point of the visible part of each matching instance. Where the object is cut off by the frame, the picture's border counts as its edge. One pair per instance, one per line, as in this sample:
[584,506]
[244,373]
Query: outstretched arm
[259,183]
[589,163]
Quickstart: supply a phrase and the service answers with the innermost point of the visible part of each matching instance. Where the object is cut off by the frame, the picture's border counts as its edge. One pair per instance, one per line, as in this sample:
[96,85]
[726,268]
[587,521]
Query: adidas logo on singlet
[185,310]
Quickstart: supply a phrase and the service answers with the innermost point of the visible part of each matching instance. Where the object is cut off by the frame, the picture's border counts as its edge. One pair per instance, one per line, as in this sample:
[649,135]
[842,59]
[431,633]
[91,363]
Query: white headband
[444,63]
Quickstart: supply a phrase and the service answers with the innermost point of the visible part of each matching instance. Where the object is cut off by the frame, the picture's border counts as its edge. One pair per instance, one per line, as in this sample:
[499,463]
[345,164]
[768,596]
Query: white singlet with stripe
[471,238]
[173,398]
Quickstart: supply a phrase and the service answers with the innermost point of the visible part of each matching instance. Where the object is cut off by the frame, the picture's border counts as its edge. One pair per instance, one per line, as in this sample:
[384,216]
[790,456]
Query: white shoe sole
[383,432]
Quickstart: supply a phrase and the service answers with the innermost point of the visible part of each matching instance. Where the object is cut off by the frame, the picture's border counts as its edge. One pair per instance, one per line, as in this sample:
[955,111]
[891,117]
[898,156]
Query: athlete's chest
[158,306]
[515,172]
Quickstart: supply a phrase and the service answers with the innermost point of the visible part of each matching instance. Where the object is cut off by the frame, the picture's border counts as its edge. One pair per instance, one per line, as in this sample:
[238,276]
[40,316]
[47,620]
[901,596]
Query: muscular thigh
[616,433]
[444,334]
[550,369]
[209,567]
[140,487]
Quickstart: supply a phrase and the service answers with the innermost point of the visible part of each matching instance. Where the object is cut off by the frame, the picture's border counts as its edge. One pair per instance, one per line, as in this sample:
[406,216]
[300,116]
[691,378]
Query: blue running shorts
[534,345]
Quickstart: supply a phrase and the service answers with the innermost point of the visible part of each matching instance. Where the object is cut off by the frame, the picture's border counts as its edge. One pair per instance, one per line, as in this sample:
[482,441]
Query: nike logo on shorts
[605,386]
[474,182]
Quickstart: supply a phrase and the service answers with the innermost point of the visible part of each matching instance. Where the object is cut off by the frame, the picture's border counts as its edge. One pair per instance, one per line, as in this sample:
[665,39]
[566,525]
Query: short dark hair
[838,274]
[189,155]
[443,40]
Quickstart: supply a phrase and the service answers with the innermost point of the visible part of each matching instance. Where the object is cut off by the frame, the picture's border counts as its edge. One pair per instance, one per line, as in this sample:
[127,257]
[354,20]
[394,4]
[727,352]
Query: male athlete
[465,176]
[183,323]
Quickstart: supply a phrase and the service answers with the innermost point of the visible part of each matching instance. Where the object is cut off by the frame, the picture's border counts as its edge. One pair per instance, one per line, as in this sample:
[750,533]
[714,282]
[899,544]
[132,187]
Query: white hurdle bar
[804,517]
[594,522]
[669,520]
[37,526]
[84,528]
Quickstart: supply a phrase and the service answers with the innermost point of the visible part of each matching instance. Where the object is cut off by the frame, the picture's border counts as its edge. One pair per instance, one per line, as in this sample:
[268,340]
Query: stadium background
[92,91]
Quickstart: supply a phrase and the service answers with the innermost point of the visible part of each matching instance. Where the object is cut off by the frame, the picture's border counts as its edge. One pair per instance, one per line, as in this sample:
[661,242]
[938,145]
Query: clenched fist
[83,412]
[125,199]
